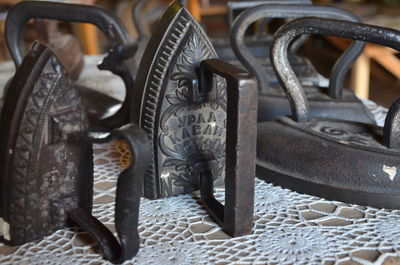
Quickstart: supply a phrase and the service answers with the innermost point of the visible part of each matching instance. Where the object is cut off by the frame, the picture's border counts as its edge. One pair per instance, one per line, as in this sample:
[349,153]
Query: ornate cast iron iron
[46,162]
[335,159]
[98,104]
[332,102]
[200,114]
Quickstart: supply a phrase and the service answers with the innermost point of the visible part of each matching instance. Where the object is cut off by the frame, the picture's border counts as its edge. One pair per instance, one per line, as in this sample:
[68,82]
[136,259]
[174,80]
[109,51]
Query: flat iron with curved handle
[339,160]
[292,11]
[46,165]
[110,25]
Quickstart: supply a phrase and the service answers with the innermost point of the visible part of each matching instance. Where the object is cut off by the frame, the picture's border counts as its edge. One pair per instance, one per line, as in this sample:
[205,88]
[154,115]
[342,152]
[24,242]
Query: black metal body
[46,161]
[98,104]
[335,159]
[331,102]
[197,111]
[34,126]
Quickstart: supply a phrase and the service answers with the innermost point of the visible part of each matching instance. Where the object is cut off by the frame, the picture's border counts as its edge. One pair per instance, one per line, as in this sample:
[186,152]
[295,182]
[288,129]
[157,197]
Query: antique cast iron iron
[46,162]
[98,105]
[200,114]
[332,102]
[335,159]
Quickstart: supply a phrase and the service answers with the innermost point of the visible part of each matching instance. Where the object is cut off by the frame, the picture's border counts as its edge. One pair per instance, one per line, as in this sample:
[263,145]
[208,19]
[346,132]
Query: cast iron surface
[46,165]
[47,161]
[334,159]
[183,107]
[113,29]
[236,217]
[168,107]
[323,102]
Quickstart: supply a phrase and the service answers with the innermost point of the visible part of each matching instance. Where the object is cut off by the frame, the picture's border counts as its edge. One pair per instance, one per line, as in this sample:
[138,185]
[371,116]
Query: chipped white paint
[4,229]
[165,175]
[391,171]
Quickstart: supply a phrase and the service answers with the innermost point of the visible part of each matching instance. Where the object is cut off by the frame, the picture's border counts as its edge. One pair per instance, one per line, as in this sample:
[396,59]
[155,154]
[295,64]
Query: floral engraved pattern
[186,96]
[192,124]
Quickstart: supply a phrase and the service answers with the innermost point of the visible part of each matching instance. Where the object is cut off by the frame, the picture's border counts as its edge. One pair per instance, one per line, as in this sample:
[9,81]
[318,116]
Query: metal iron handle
[110,25]
[232,5]
[326,27]
[127,202]
[246,18]
[22,12]
[236,217]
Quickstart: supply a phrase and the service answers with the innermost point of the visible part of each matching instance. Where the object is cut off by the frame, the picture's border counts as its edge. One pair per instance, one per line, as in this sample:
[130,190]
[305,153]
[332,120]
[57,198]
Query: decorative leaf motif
[173,162]
[182,155]
[173,99]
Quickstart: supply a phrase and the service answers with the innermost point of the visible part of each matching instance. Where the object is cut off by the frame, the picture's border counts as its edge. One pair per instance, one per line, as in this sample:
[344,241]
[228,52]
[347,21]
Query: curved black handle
[232,5]
[327,27]
[110,25]
[22,12]
[246,18]
[127,202]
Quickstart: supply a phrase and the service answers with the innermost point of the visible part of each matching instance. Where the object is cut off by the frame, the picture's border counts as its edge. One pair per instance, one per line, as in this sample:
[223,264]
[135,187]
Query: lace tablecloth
[289,228]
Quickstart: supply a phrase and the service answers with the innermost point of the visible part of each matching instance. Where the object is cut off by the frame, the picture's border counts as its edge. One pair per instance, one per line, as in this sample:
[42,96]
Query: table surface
[289,228]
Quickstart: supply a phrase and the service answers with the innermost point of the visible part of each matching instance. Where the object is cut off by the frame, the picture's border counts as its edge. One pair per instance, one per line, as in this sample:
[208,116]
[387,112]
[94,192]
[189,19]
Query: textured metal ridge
[147,120]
